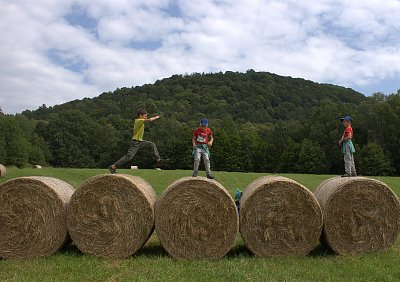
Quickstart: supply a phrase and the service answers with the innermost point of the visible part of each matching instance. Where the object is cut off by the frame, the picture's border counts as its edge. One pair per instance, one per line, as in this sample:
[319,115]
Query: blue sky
[56,51]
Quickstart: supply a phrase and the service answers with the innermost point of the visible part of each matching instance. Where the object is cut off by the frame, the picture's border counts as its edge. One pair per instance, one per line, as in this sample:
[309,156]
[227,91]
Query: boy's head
[346,121]
[141,113]
[204,122]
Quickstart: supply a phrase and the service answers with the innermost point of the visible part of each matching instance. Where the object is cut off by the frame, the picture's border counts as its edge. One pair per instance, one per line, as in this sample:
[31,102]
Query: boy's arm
[341,140]
[152,118]
[194,141]
[210,143]
[347,138]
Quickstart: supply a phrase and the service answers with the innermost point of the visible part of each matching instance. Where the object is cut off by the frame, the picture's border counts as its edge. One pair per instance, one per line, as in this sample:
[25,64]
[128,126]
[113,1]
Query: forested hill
[256,97]
[262,122]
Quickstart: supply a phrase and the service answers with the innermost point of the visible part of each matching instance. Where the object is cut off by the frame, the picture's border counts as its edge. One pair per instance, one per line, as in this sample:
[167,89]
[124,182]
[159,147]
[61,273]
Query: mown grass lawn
[153,263]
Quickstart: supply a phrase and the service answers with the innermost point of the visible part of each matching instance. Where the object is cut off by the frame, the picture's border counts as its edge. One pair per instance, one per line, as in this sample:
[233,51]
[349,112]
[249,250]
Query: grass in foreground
[153,263]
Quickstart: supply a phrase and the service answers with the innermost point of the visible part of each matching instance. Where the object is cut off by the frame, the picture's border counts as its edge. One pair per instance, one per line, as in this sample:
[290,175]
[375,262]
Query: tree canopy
[262,122]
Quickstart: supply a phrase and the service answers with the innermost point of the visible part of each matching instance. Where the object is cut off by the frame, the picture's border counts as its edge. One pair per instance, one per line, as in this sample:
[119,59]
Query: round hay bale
[196,218]
[360,214]
[279,217]
[32,216]
[111,215]
[3,171]
[37,166]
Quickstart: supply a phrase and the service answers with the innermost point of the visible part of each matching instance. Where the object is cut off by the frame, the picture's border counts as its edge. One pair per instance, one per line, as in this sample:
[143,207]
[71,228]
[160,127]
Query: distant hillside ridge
[256,97]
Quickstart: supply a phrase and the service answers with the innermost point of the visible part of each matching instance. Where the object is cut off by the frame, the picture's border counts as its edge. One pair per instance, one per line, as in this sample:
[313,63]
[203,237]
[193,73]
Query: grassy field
[153,263]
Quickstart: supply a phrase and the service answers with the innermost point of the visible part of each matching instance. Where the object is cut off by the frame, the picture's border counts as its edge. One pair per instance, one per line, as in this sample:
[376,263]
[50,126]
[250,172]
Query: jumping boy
[347,147]
[137,143]
[202,141]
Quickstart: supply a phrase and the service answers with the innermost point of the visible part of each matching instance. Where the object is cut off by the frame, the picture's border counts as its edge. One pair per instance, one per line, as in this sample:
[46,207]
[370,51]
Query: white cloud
[47,59]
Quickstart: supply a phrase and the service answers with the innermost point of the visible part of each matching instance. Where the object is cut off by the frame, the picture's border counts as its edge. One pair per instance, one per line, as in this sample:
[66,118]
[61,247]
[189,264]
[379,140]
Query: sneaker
[210,176]
[354,174]
[194,174]
[346,175]
[161,162]
[112,169]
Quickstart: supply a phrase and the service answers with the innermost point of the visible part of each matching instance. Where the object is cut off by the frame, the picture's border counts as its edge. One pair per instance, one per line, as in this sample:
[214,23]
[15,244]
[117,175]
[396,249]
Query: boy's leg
[207,164]
[353,167]
[133,148]
[197,156]
[152,145]
[347,160]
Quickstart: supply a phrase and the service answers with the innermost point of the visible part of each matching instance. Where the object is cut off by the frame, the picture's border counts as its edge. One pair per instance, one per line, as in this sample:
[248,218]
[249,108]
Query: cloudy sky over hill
[57,51]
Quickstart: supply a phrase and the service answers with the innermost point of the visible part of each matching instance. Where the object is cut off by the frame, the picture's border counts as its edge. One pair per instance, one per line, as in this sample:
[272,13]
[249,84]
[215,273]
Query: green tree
[311,158]
[290,157]
[16,145]
[3,148]
[250,145]
[78,141]
[37,150]
[226,152]
[373,161]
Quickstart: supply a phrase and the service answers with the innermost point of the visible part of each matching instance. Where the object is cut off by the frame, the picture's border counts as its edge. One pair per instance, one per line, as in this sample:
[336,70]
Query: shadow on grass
[71,249]
[321,251]
[155,250]
[152,250]
[239,250]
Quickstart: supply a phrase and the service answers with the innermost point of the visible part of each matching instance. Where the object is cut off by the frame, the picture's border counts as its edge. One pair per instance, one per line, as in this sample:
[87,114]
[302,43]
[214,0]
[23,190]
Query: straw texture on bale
[279,217]
[111,215]
[360,214]
[3,171]
[196,218]
[33,216]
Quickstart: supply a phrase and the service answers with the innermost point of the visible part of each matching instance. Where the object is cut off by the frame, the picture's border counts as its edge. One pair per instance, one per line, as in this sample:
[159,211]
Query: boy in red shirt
[347,147]
[202,140]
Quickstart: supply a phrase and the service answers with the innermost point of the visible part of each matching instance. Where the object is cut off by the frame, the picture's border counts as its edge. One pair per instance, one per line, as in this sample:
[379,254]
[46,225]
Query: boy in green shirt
[347,147]
[137,141]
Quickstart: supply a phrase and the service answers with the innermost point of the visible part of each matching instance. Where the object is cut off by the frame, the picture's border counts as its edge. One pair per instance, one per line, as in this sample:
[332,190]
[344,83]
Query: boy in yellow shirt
[137,143]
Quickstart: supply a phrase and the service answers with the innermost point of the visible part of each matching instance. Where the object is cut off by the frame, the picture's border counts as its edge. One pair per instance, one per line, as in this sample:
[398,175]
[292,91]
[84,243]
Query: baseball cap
[348,118]
[204,121]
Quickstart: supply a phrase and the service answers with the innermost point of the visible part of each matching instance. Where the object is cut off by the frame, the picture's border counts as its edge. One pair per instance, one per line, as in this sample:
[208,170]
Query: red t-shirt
[347,131]
[201,136]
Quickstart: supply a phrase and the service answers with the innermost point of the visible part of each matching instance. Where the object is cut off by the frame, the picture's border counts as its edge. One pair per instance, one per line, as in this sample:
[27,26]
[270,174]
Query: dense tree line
[262,123]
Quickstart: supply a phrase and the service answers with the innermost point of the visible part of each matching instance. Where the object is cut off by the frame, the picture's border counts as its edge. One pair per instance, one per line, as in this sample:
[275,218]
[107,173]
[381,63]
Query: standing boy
[202,141]
[347,147]
[137,143]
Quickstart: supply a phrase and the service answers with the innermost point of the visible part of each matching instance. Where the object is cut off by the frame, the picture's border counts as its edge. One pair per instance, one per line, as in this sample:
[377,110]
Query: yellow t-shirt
[138,129]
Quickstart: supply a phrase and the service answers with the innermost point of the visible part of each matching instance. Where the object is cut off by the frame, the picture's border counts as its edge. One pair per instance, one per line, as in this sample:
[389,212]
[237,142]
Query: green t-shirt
[138,129]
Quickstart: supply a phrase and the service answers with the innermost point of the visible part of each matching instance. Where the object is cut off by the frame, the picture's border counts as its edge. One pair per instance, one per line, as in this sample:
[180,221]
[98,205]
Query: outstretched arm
[152,118]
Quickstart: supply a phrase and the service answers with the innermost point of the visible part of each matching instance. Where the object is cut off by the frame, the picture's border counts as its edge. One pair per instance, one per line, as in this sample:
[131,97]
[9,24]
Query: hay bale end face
[3,171]
[279,217]
[196,218]
[32,216]
[111,215]
[360,214]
